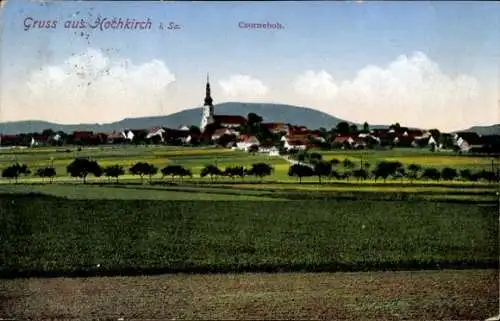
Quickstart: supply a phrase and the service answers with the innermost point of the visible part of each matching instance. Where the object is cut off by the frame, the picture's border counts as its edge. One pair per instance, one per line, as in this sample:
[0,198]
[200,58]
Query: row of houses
[291,137]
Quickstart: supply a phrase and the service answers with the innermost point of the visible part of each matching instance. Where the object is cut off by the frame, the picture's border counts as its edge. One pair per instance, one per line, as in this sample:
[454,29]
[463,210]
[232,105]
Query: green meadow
[195,159]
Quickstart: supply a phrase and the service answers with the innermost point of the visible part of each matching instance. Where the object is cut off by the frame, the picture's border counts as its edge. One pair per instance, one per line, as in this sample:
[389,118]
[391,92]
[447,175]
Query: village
[252,133]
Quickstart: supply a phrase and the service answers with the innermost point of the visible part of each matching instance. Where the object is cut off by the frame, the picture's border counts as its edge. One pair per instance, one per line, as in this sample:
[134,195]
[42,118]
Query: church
[211,122]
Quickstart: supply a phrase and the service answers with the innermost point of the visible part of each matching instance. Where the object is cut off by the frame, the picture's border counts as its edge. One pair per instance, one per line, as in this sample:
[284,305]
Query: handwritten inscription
[100,23]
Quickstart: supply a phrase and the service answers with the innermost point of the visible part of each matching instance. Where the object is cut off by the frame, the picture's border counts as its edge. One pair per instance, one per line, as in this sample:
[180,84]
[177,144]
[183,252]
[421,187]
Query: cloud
[243,86]
[90,86]
[411,90]
[316,84]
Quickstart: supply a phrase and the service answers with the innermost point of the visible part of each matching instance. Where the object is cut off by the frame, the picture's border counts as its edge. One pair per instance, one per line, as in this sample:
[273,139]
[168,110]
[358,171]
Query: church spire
[208,98]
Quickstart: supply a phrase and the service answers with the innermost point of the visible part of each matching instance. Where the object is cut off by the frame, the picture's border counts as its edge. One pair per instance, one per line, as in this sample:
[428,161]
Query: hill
[485,130]
[270,112]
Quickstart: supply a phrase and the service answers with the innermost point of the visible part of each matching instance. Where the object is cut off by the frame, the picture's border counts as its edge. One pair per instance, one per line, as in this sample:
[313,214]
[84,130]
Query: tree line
[317,167]
[312,164]
[83,167]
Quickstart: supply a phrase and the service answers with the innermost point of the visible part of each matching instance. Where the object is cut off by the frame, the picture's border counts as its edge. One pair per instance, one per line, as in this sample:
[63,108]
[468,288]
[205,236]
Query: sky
[422,64]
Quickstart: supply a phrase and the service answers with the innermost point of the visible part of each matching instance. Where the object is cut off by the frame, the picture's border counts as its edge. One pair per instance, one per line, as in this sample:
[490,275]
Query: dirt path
[426,295]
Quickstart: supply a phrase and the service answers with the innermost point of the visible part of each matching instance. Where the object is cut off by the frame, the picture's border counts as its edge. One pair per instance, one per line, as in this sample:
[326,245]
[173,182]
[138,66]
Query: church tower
[208,109]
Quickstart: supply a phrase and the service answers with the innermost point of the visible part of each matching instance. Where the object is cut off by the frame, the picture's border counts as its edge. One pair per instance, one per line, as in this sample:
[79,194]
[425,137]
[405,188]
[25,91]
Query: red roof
[342,139]
[297,142]
[82,134]
[9,136]
[297,136]
[274,126]
[41,138]
[230,119]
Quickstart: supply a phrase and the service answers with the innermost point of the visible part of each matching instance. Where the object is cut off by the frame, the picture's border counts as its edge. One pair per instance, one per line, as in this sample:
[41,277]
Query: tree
[139,137]
[114,171]
[334,162]
[431,173]
[436,134]
[16,170]
[82,167]
[234,171]
[254,120]
[302,156]
[175,170]
[210,170]
[183,172]
[143,169]
[489,176]
[360,174]
[226,139]
[334,174]
[315,157]
[253,149]
[194,130]
[449,174]
[346,175]
[385,169]
[342,127]
[300,171]
[49,172]
[396,127]
[261,170]
[322,169]
[466,174]
[400,172]
[413,169]
[366,127]
[348,164]
[353,129]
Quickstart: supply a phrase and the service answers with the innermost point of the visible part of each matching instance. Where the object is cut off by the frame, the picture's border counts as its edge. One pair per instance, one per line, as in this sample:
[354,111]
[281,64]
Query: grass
[418,295]
[133,192]
[43,234]
[195,158]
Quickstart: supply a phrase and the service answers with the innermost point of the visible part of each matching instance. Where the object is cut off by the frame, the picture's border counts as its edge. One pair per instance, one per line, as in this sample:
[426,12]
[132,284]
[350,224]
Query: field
[196,158]
[61,236]
[130,228]
[420,295]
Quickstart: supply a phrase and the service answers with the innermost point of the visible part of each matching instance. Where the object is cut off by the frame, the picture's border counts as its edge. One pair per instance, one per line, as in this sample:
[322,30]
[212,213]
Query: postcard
[249,160]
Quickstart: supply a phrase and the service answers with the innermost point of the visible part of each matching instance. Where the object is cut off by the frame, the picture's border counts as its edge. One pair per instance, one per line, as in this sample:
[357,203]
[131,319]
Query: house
[404,141]
[384,137]
[229,121]
[88,138]
[465,141]
[302,136]
[271,150]
[176,136]
[294,142]
[130,134]
[219,132]
[81,136]
[39,140]
[343,141]
[116,137]
[317,136]
[276,128]
[426,141]
[246,141]
[156,134]
[12,140]
[295,130]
